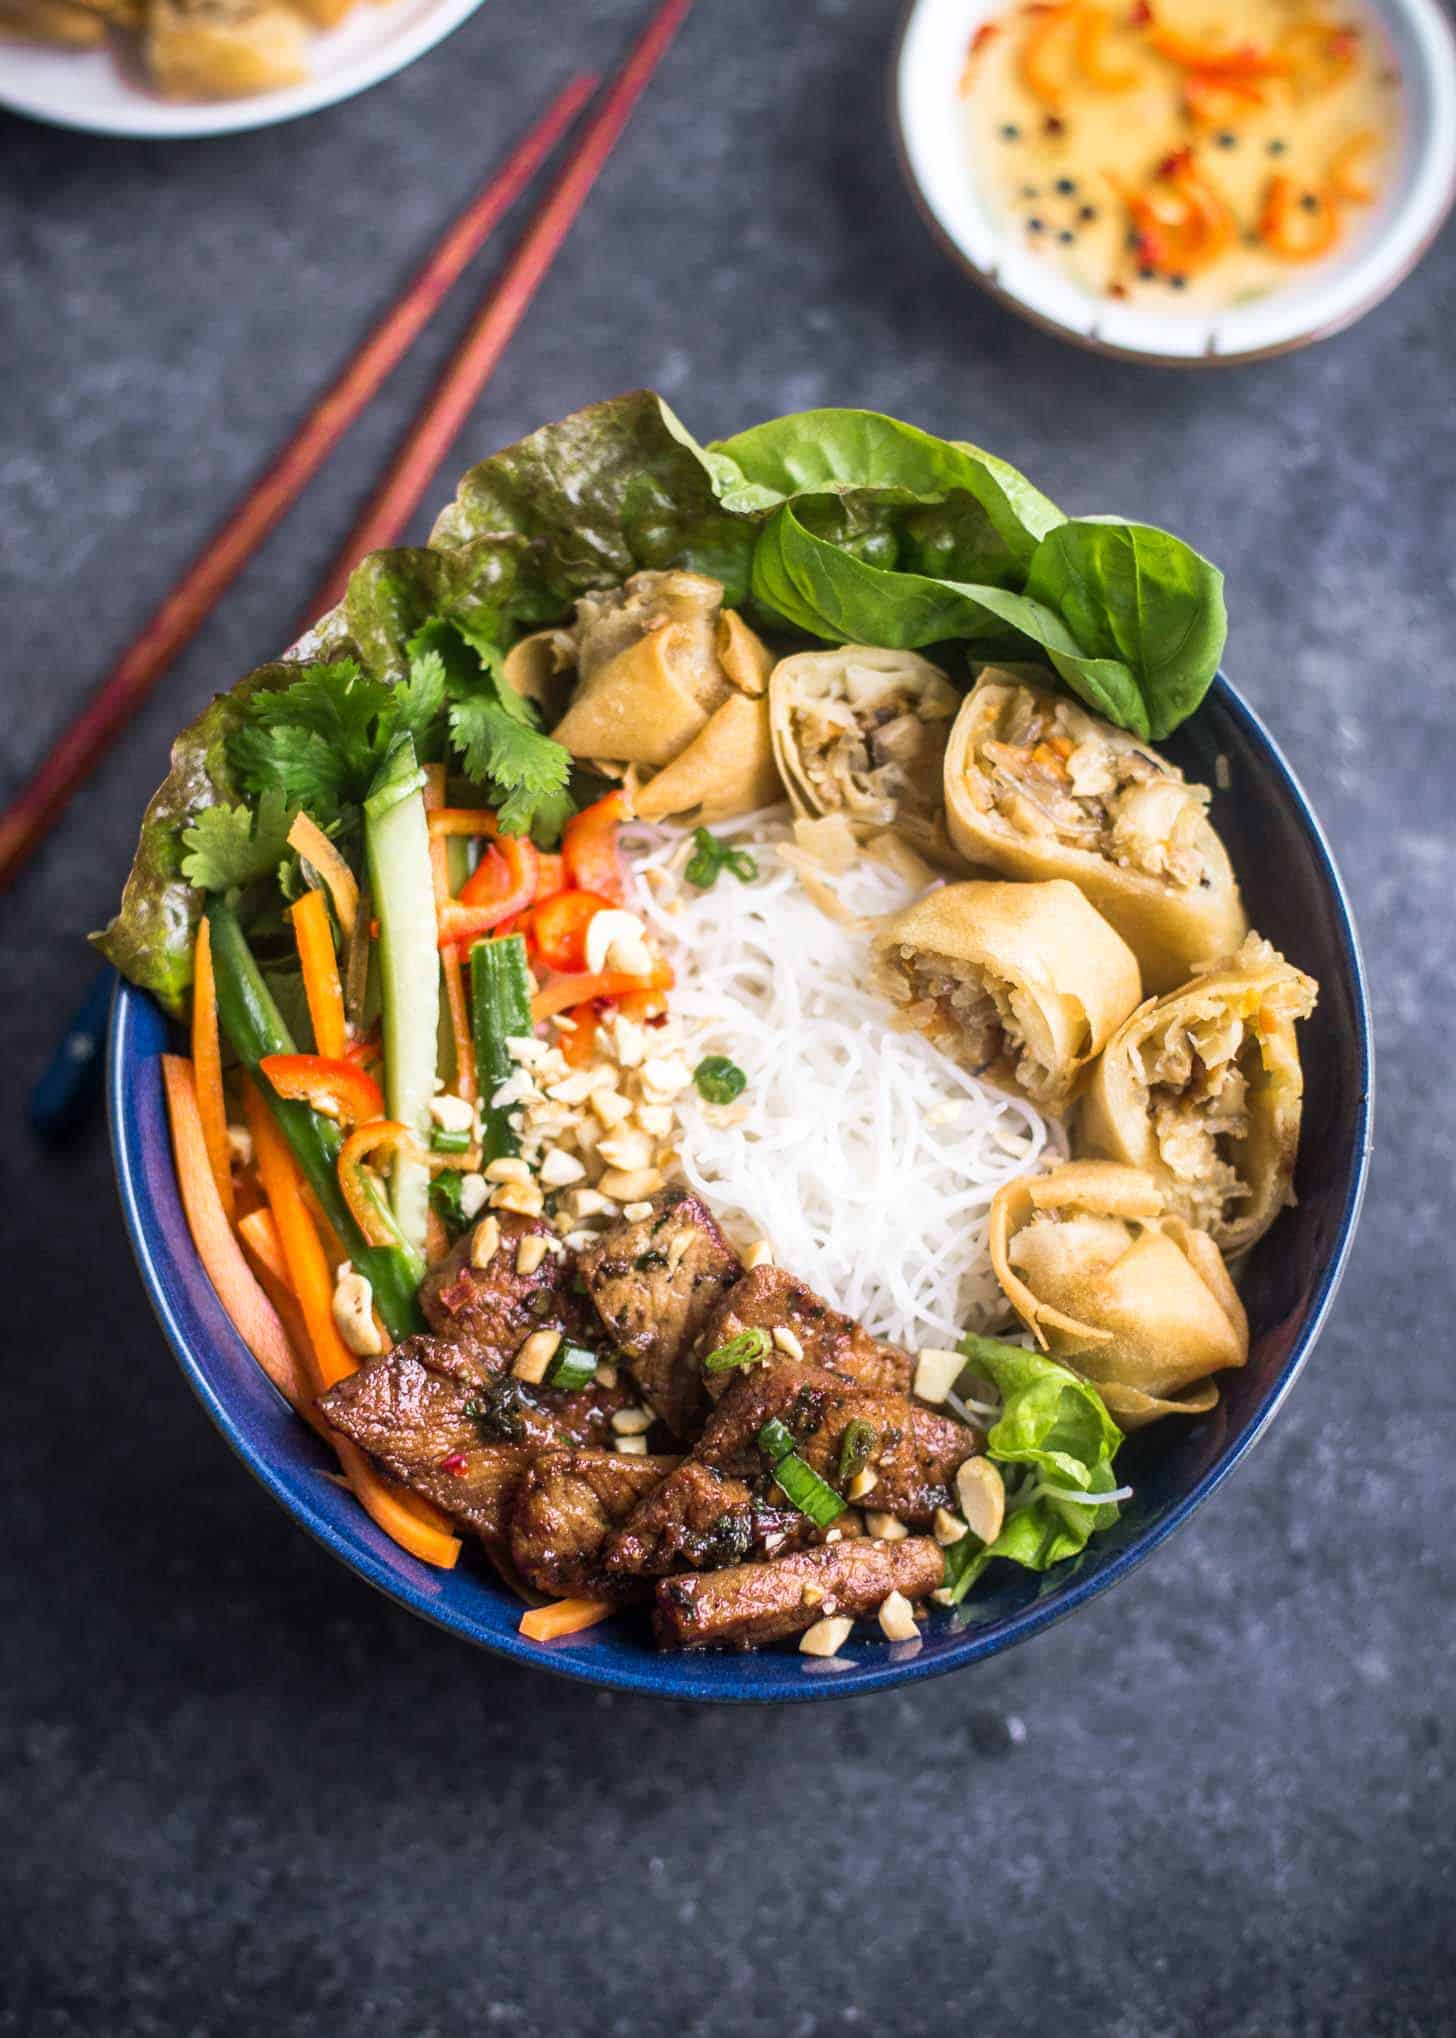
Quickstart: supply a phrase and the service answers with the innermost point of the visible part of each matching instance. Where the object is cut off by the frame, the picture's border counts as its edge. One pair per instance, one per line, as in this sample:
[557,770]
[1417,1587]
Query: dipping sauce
[1182,149]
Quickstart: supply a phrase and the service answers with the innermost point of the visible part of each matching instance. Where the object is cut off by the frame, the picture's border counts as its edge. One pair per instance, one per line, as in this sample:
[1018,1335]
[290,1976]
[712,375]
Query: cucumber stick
[397,849]
[500,1010]
[252,1023]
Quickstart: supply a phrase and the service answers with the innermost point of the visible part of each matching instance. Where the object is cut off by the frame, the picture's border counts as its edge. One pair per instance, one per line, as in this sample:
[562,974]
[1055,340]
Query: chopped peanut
[533,1360]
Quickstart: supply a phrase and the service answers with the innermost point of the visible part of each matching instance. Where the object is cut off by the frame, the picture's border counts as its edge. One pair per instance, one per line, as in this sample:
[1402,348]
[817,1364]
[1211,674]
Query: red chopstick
[439,423]
[29,816]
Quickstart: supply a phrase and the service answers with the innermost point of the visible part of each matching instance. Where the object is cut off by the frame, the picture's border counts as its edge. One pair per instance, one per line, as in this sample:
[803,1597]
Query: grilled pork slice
[769,1299]
[568,1504]
[511,1411]
[751,1604]
[416,1423]
[488,1312]
[912,1452]
[655,1283]
[701,1517]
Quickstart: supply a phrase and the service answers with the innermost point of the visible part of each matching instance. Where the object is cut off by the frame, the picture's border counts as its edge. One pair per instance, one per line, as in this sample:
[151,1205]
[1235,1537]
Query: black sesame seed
[1066,185]
[1066,234]
[1309,202]
[1277,148]
[1034,226]
[1054,124]
[1178,282]
[1226,140]
[1087,212]
[1011,132]
[1147,275]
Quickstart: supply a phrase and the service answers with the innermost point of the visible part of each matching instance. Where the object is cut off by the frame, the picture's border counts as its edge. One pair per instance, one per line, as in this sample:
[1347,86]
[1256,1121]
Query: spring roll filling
[1051,770]
[1198,1092]
[977,1018]
[874,747]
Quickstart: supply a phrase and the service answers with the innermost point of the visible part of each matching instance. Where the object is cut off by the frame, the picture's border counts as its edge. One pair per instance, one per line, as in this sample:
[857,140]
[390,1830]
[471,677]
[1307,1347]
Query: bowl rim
[679,1677]
[1432,17]
[140,116]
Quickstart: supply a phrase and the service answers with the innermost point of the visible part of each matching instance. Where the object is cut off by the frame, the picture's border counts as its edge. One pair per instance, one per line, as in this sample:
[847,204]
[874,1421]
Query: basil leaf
[1139,601]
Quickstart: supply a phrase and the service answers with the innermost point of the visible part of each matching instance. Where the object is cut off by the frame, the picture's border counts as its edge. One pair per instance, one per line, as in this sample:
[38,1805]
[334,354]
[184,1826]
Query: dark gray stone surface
[241,1793]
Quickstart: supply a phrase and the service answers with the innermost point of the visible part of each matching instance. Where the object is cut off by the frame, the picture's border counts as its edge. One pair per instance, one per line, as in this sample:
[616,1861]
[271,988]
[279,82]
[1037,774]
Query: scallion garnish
[710,856]
[442,1141]
[813,1496]
[574,1366]
[855,1445]
[744,1350]
[719,1080]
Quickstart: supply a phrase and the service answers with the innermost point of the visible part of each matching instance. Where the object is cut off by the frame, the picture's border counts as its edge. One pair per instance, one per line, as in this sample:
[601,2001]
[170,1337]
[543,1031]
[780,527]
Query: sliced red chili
[589,856]
[337,1089]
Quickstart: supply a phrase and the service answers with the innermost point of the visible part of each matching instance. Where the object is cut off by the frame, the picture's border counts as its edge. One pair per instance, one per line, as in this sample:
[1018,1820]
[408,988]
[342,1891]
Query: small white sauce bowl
[103,91]
[929,117]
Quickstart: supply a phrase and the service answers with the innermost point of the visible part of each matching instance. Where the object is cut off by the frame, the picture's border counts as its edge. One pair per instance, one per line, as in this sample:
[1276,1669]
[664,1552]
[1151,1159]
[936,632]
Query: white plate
[102,91]
[929,114]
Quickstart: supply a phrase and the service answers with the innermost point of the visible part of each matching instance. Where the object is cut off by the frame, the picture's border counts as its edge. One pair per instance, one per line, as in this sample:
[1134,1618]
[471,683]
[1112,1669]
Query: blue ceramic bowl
[1294,896]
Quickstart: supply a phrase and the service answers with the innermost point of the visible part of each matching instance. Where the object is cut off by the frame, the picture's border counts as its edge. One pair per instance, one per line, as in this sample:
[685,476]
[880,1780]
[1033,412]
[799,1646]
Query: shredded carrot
[1046,25]
[253,1316]
[451,972]
[315,847]
[1298,226]
[260,1235]
[412,1523]
[207,1068]
[321,986]
[1094,25]
[563,1617]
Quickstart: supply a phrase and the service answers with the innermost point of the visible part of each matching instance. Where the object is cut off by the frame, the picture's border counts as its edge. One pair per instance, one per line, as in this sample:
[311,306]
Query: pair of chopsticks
[26,821]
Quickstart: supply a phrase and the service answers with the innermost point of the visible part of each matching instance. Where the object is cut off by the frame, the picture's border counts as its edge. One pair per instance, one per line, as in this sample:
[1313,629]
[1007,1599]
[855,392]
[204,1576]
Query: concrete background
[243,1794]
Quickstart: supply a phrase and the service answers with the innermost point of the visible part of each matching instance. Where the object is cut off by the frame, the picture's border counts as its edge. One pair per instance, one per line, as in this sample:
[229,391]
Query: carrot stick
[321,986]
[450,403]
[260,1235]
[450,970]
[207,1068]
[227,551]
[563,1617]
[252,1315]
[396,1512]
[311,843]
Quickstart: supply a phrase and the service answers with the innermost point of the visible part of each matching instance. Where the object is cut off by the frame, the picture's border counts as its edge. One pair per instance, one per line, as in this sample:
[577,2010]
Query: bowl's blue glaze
[1294,896]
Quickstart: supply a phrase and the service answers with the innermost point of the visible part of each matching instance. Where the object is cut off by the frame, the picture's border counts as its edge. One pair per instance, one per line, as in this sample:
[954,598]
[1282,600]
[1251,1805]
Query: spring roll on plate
[1035,787]
[1203,1090]
[657,679]
[1023,984]
[861,732]
[1111,1282]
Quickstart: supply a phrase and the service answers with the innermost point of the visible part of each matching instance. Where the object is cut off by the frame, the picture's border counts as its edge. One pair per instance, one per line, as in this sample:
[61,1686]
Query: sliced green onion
[442,1141]
[719,1080]
[855,1445]
[744,1350]
[710,856]
[775,1440]
[574,1366]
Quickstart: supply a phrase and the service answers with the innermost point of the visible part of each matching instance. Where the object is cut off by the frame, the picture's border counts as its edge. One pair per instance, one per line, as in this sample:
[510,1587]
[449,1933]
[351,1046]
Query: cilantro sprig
[318,743]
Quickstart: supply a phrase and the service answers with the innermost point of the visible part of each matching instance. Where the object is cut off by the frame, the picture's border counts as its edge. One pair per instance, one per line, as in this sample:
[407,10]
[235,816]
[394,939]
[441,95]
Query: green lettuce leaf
[1055,1425]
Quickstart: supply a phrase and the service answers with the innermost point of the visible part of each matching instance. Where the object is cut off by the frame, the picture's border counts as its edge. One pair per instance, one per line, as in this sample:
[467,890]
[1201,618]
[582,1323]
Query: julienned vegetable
[500,1010]
[397,846]
[254,1029]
